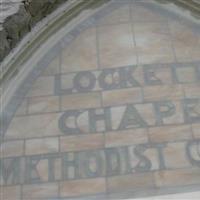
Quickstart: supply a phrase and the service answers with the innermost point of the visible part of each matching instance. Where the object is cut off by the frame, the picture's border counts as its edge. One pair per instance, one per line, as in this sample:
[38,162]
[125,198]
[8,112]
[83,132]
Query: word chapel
[130,116]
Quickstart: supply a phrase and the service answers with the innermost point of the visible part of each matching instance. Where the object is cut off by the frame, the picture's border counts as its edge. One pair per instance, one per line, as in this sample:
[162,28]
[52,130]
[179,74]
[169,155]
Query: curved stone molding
[18,17]
[31,41]
[105,105]
[17,68]
[193,5]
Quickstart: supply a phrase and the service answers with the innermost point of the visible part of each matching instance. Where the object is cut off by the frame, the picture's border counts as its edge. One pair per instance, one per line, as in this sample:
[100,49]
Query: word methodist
[90,164]
[115,136]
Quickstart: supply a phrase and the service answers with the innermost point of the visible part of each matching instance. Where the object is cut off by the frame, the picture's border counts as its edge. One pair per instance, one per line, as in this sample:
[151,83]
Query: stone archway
[111,110]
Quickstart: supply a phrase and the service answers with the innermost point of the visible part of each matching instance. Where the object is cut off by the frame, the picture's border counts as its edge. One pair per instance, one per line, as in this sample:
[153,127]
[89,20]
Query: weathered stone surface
[39,9]
[17,22]
[17,25]
[4,47]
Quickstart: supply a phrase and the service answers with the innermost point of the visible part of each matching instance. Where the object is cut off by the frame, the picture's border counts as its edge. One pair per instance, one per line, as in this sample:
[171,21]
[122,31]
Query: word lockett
[89,164]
